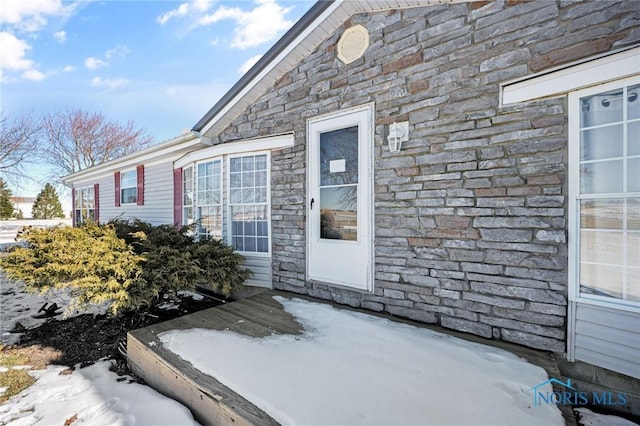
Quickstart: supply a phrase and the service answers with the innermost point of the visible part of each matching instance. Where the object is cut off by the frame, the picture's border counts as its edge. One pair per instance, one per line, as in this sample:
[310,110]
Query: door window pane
[339,157]
[338,213]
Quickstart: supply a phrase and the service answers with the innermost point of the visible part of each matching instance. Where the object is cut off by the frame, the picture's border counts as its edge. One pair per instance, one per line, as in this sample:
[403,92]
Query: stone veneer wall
[470,216]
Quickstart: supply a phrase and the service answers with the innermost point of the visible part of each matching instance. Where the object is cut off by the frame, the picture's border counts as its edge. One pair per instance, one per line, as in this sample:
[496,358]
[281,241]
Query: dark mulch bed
[86,339]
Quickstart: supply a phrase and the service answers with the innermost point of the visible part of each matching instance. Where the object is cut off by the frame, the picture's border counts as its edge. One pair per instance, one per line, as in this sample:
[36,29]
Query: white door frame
[363,117]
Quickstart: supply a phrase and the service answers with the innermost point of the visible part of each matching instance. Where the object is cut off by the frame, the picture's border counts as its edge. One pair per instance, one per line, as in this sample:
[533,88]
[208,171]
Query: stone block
[533,340]
[413,314]
[493,300]
[393,294]
[472,327]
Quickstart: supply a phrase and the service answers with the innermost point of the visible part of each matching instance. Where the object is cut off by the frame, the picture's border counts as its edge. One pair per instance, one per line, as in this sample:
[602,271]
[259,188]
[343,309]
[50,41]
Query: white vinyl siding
[609,338]
[158,197]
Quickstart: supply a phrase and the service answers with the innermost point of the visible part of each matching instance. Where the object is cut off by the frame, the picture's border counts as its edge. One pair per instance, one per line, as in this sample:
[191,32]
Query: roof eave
[312,14]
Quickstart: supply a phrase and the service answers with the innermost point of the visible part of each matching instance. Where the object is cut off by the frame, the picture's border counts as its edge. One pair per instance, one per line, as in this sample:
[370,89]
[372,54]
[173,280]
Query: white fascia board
[165,151]
[250,145]
[561,80]
[271,66]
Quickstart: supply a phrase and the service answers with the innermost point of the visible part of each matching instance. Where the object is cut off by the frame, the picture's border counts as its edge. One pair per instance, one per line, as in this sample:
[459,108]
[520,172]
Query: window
[187,196]
[248,203]
[208,198]
[606,141]
[85,205]
[128,187]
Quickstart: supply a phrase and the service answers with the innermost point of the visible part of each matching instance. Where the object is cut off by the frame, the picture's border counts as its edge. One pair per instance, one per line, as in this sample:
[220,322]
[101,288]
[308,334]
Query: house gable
[470,217]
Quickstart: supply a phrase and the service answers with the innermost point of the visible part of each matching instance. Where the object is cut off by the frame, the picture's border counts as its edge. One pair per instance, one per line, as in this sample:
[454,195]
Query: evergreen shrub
[174,257]
[128,263]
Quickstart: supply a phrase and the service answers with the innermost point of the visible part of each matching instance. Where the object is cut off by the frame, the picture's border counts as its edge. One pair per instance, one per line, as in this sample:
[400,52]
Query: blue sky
[160,64]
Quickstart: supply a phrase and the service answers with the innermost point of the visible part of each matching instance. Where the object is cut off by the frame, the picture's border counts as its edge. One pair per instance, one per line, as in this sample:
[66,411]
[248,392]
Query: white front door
[339,198]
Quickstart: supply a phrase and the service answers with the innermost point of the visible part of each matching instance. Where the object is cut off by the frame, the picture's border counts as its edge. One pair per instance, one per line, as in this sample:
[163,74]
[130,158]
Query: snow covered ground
[348,368]
[9,228]
[356,369]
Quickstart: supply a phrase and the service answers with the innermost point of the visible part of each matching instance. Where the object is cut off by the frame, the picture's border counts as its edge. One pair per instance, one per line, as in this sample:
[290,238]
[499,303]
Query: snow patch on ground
[95,396]
[589,418]
[354,369]
[19,305]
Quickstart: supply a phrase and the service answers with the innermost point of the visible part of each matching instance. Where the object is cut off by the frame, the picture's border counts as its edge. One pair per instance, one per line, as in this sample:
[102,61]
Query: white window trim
[574,197]
[183,206]
[81,189]
[122,173]
[560,80]
[235,148]
[195,177]
[228,204]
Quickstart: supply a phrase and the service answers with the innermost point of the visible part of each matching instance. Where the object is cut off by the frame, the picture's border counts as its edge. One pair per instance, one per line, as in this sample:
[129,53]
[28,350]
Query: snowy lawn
[351,368]
[90,396]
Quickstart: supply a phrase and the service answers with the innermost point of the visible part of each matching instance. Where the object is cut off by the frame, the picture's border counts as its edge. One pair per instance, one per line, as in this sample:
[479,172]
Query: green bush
[129,264]
[176,259]
[92,261]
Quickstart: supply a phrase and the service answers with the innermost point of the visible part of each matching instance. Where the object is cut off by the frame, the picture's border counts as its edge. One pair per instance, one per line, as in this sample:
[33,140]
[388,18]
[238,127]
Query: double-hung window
[187,196]
[208,198]
[129,187]
[85,205]
[248,203]
[606,139]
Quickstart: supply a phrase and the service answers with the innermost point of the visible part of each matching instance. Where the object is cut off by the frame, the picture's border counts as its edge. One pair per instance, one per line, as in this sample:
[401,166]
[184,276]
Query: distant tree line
[46,205]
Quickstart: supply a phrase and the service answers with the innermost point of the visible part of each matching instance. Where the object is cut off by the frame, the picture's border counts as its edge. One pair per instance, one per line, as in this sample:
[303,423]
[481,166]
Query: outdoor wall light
[398,133]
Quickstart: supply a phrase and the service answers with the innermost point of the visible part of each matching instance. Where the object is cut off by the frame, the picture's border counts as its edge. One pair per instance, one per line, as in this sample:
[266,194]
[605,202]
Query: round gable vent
[353,43]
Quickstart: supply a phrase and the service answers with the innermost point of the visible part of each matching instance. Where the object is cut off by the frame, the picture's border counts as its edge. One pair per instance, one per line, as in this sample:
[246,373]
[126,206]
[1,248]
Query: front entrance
[339,219]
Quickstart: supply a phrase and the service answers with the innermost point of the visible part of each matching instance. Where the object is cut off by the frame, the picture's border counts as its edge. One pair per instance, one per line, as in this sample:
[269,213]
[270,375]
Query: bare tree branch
[19,143]
[78,139]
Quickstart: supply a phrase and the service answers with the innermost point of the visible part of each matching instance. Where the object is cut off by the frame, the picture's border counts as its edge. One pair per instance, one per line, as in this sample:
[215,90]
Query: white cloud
[109,83]
[253,27]
[33,75]
[185,9]
[120,51]
[60,36]
[13,53]
[94,63]
[31,15]
[249,63]
[26,16]
[69,68]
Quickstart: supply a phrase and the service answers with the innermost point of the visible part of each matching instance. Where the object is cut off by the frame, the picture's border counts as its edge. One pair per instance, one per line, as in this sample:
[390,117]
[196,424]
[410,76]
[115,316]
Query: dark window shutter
[96,203]
[140,176]
[177,197]
[116,177]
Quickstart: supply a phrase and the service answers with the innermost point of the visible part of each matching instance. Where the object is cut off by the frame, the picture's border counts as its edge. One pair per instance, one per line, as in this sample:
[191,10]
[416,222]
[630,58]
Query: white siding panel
[608,338]
[158,197]
[261,268]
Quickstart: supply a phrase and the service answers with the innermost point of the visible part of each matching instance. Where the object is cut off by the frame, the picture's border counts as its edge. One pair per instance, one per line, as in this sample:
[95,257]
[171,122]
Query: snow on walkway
[356,369]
